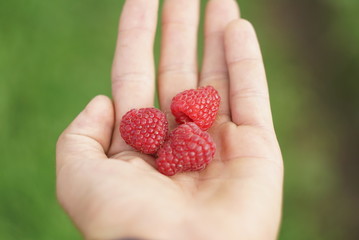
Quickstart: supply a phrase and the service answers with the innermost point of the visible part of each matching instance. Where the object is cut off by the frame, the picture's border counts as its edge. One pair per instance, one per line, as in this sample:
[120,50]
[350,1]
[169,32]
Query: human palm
[111,191]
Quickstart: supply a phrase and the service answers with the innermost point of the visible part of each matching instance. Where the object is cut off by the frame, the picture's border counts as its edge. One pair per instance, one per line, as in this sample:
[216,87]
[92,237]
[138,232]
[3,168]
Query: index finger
[133,74]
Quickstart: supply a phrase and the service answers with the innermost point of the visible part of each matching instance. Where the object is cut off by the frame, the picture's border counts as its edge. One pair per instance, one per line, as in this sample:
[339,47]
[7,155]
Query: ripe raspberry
[188,148]
[144,129]
[196,105]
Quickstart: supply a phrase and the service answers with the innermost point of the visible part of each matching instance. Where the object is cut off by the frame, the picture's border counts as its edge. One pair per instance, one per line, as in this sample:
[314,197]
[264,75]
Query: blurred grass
[56,55]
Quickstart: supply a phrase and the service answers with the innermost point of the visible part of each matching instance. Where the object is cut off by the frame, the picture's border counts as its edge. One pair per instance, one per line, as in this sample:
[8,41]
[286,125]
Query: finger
[89,135]
[249,98]
[219,13]
[133,66]
[178,63]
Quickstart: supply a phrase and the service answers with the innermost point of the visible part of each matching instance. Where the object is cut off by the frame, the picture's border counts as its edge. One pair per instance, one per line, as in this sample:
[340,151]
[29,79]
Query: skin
[110,191]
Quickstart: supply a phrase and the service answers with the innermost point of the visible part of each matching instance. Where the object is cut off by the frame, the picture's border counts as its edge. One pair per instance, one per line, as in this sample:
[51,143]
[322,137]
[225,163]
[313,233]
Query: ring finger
[219,13]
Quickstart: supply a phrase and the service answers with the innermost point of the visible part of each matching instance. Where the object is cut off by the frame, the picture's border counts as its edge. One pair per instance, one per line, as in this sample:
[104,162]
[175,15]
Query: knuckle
[250,92]
[178,68]
[131,78]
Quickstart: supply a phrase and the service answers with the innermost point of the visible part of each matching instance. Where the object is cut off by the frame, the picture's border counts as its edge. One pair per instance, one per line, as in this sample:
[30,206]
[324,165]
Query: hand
[111,191]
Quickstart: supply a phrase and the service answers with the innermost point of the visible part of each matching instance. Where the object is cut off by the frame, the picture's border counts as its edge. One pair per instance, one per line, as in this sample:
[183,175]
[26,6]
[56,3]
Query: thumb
[89,135]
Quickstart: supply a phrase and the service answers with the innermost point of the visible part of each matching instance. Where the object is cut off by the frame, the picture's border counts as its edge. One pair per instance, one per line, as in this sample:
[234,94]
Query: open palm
[111,191]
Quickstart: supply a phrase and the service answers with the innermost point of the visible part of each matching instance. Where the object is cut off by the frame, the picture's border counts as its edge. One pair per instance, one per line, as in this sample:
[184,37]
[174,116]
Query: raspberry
[196,105]
[188,148]
[144,129]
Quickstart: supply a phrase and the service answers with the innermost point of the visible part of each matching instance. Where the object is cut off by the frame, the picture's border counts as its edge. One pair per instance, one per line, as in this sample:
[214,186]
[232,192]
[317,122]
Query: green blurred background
[56,55]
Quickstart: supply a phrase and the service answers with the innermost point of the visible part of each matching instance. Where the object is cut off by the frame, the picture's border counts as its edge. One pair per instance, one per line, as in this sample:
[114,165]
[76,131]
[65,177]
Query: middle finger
[178,63]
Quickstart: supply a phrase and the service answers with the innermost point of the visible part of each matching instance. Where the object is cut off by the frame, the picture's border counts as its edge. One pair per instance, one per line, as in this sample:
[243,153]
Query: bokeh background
[56,55]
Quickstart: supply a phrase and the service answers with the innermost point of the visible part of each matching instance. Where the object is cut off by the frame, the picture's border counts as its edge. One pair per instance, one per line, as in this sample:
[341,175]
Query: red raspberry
[144,129]
[188,148]
[196,105]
